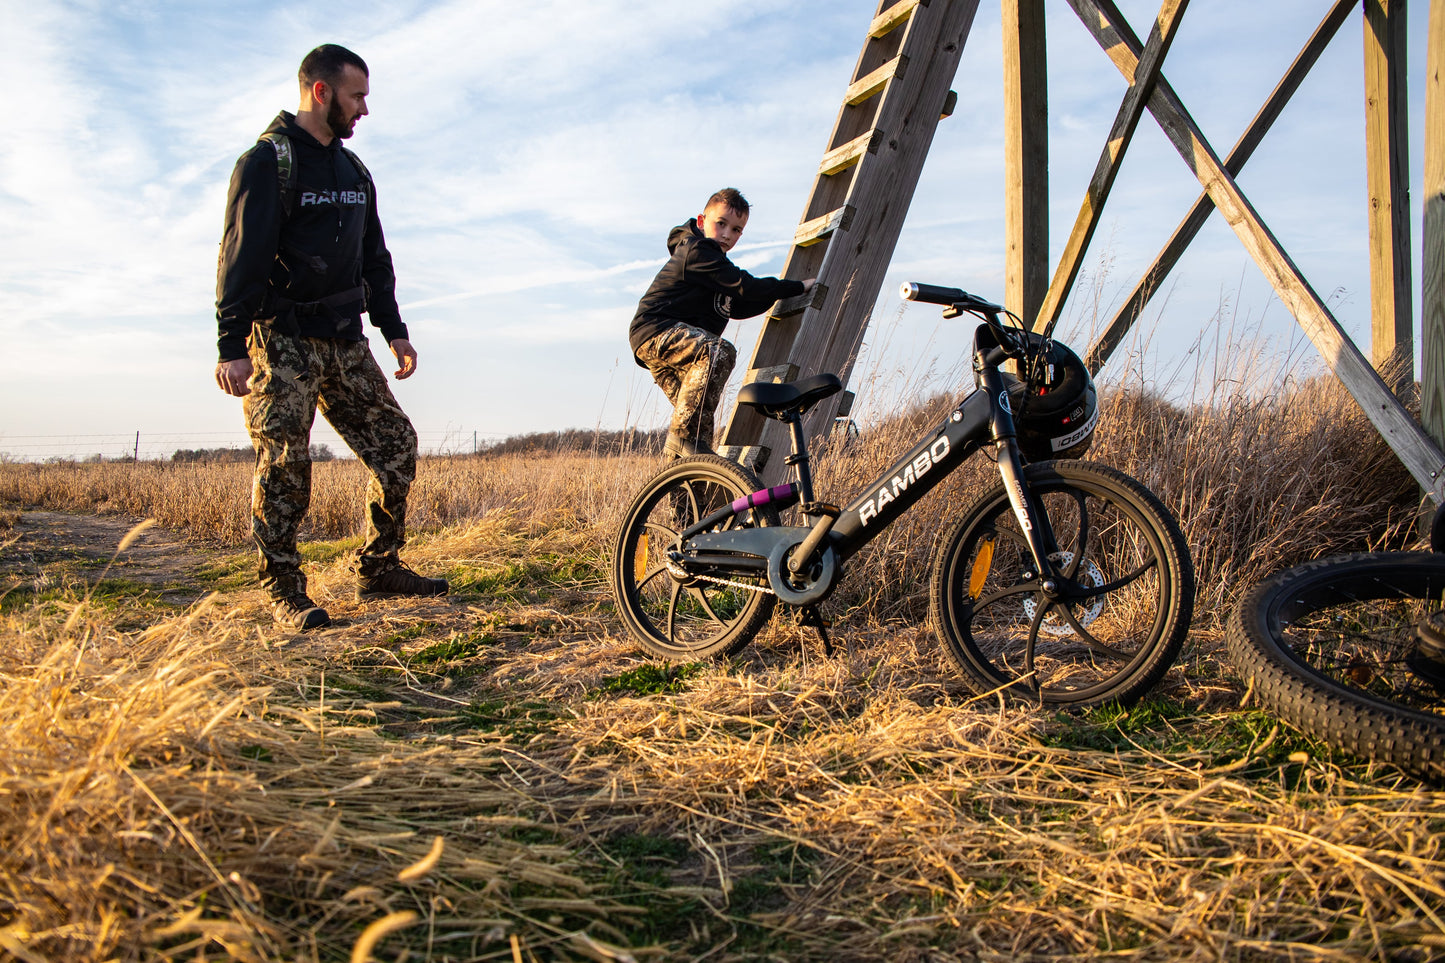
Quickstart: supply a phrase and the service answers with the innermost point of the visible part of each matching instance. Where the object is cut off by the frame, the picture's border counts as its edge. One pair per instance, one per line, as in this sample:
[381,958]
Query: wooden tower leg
[1387,148]
[1026,156]
[1432,254]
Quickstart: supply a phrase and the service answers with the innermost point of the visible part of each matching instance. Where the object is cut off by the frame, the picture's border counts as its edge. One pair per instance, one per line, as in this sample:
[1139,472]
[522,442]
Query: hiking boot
[680,447]
[298,613]
[397,582]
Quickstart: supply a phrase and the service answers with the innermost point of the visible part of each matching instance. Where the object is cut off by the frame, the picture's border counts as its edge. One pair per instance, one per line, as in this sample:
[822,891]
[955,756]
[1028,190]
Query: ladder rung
[861,90]
[811,232]
[893,16]
[791,306]
[841,158]
[753,457]
[772,374]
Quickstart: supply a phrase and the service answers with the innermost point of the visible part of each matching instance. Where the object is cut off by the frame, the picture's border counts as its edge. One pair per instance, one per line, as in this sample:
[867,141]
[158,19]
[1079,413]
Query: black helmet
[1055,406]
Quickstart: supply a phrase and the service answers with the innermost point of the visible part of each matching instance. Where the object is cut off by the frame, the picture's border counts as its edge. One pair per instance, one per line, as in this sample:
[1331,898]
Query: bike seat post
[799,458]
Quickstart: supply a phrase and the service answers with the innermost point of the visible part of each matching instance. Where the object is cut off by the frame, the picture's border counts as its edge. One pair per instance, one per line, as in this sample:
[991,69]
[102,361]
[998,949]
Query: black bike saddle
[777,400]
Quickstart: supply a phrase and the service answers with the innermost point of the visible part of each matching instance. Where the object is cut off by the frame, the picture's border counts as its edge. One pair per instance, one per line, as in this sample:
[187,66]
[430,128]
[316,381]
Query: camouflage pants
[691,367]
[293,377]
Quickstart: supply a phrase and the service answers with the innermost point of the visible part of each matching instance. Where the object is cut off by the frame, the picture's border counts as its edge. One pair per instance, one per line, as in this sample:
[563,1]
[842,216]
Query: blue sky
[530,159]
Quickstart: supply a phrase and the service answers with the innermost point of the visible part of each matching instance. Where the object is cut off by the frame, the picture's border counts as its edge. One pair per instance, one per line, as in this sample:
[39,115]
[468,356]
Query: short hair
[326,63]
[731,198]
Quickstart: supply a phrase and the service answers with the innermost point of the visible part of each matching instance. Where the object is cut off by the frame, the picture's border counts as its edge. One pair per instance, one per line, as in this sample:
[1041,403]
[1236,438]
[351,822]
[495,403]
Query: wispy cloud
[530,159]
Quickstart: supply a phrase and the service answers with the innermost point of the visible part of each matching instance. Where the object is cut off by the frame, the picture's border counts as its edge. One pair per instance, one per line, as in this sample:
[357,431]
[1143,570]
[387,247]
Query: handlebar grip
[932,293]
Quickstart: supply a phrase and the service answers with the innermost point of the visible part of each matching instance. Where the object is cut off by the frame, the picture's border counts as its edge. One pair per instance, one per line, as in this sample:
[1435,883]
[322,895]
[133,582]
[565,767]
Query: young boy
[677,331]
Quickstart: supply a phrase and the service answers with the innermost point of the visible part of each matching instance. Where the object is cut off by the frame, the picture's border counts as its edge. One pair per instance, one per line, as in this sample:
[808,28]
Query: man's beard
[336,121]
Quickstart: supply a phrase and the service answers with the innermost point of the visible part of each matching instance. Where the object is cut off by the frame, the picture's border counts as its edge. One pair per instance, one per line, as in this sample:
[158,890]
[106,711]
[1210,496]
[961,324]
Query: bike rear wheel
[675,616]
[1126,601]
[1332,647]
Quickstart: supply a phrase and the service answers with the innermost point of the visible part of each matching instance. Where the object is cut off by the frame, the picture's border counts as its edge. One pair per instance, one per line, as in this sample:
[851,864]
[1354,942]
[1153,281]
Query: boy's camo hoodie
[699,286]
[268,259]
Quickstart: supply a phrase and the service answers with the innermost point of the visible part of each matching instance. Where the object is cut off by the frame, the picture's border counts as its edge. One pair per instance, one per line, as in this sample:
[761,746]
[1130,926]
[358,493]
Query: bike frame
[982,417]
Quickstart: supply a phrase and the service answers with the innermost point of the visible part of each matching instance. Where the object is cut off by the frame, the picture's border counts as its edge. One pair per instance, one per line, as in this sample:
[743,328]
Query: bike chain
[681,574]
[765,590]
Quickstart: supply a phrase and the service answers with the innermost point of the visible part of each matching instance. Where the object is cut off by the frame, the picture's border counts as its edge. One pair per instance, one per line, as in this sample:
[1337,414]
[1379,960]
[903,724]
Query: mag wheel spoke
[1367,645]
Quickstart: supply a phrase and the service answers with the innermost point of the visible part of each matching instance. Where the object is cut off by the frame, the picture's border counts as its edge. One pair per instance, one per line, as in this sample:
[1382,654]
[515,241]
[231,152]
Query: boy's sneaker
[680,447]
[399,581]
[299,613]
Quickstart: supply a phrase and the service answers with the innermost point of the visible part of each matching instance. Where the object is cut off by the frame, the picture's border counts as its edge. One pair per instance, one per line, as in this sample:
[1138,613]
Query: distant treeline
[578,440]
[318,453]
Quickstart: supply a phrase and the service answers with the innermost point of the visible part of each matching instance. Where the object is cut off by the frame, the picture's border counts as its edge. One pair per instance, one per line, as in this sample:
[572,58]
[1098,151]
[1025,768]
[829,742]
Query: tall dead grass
[212,501]
[1258,481]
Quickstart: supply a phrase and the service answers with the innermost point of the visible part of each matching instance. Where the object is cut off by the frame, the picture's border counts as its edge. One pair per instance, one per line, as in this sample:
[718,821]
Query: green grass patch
[504,582]
[230,574]
[458,648]
[519,719]
[519,580]
[407,634]
[1154,723]
[116,598]
[571,569]
[322,552]
[651,679]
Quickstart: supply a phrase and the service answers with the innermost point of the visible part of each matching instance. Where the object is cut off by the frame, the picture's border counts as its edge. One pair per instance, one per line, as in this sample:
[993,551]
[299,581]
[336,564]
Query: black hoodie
[699,286]
[331,243]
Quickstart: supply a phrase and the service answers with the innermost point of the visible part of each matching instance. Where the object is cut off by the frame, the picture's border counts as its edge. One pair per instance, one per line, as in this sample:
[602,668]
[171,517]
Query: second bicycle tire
[1328,646]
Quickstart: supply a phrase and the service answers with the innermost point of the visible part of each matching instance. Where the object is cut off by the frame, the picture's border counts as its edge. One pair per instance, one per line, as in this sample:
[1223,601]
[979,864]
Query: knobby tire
[1330,647]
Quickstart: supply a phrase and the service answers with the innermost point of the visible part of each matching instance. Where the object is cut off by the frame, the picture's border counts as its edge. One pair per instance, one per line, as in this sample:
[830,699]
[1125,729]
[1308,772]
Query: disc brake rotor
[1089,576]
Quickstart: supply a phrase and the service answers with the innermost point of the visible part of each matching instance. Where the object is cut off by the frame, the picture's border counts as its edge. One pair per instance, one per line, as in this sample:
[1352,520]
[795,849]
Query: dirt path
[53,545]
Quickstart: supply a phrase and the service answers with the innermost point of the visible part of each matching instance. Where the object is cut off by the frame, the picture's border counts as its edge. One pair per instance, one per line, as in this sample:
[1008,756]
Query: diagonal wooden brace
[1178,243]
[1110,160]
[1421,456]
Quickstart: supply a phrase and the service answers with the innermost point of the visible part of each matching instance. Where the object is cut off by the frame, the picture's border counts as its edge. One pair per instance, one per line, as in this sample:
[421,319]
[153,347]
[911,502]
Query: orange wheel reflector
[981,566]
[639,561]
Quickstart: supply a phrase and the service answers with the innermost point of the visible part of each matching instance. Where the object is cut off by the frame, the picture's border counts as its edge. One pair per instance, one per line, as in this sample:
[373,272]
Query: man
[302,258]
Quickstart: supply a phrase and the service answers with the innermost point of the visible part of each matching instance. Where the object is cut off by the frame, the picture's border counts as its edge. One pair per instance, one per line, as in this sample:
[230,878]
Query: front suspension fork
[1033,521]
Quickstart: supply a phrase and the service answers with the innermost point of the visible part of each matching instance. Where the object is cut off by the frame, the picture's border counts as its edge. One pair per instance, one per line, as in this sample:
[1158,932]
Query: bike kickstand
[810,617]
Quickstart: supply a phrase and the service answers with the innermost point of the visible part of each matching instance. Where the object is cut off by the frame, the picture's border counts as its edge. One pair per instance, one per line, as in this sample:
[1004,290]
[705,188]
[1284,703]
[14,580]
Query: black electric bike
[1068,582]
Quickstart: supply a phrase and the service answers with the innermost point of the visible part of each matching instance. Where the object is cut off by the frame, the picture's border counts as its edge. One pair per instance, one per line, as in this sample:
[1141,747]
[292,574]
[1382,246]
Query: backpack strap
[360,167]
[285,168]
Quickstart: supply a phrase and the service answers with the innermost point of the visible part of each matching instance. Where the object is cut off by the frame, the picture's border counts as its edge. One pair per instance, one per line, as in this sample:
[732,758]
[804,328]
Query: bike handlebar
[951,297]
[932,293]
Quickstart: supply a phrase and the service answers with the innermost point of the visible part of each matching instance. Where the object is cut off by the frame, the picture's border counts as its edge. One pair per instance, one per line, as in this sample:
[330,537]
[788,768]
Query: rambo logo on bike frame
[915,474]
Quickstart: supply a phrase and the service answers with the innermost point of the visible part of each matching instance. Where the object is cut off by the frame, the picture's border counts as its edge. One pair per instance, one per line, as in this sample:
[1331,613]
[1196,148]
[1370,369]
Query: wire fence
[167,445]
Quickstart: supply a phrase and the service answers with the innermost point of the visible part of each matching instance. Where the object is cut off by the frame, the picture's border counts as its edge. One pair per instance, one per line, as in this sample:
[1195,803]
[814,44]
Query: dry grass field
[501,776]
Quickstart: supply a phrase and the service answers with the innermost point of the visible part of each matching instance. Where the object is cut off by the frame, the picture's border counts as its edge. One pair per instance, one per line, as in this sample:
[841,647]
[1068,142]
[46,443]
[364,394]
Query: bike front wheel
[674,615]
[1333,647]
[1109,629]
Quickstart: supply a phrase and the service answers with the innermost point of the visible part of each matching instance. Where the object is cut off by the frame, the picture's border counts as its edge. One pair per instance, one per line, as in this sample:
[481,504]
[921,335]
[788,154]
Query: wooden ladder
[850,225]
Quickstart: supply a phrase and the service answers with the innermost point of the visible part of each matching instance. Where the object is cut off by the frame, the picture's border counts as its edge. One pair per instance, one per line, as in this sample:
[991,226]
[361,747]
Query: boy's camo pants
[293,376]
[691,366]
